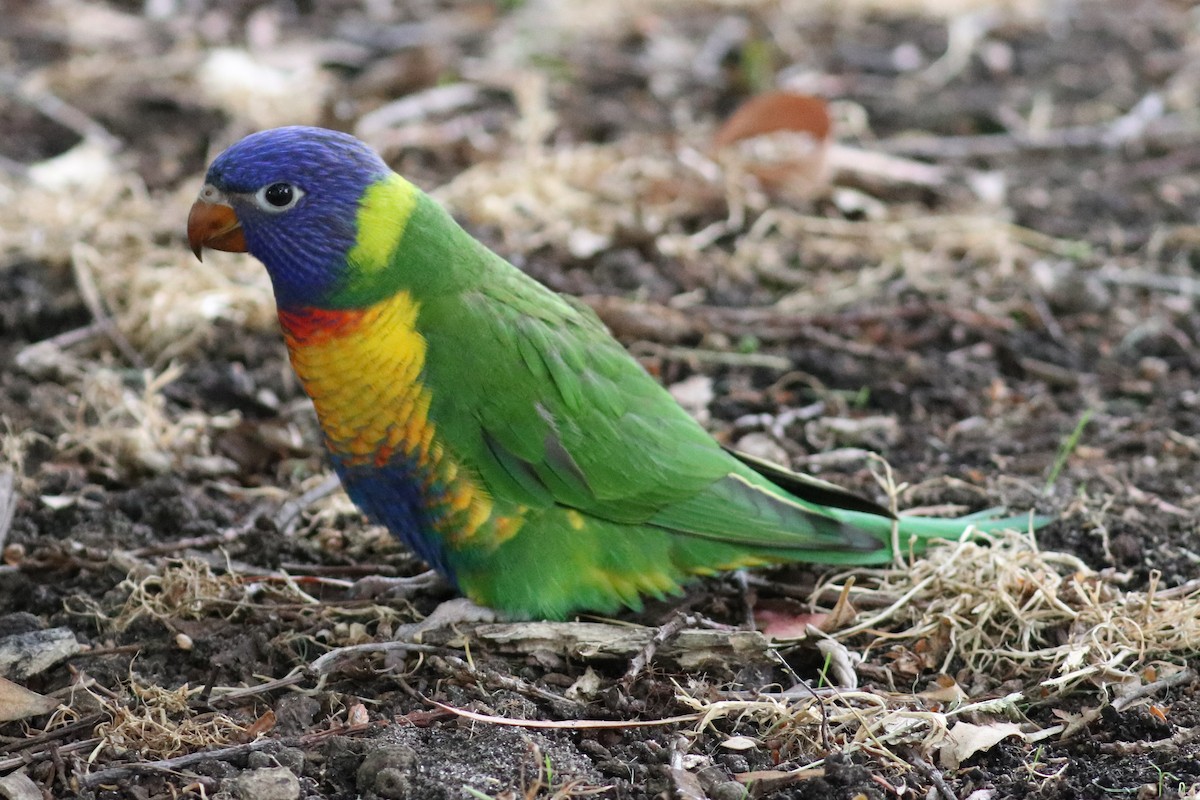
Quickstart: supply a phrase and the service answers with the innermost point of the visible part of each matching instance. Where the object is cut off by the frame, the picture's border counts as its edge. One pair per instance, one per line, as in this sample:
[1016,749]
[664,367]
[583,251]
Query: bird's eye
[278,197]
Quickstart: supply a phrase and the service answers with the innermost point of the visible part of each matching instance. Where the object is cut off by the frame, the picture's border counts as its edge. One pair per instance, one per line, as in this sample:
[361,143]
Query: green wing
[549,410]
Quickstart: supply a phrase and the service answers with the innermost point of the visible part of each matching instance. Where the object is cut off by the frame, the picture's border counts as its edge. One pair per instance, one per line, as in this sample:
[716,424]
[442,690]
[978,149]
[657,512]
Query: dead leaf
[778,624]
[776,111]
[17,702]
[782,139]
[840,662]
[261,725]
[965,739]
[766,780]
[357,717]
[844,614]
[585,688]
[739,743]
[945,690]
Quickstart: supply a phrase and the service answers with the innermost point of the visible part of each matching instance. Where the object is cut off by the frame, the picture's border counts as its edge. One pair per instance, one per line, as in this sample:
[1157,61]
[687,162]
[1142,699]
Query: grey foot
[378,586]
[459,611]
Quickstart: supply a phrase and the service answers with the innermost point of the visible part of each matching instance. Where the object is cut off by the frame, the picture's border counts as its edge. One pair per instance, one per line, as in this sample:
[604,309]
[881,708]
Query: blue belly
[394,496]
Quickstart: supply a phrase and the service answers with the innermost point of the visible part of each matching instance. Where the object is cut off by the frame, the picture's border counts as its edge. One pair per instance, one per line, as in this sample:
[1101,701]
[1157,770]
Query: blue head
[290,197]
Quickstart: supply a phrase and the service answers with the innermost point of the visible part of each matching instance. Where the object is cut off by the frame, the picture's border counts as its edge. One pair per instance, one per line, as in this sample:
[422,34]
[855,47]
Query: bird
[493,425]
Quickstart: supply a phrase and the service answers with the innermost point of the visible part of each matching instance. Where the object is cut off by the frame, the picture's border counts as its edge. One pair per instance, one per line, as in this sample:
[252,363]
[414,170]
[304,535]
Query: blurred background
[958,234]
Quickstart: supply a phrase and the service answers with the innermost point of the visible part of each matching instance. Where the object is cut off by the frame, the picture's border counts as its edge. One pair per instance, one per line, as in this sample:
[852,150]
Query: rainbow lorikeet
[493,425]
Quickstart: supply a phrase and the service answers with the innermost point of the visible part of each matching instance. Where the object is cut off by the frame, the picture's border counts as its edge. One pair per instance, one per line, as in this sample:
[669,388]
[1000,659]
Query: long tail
[913,533]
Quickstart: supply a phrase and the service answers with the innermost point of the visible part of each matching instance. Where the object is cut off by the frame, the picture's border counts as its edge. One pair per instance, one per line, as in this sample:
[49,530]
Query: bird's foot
[459,611]
[742,581]
[379,586]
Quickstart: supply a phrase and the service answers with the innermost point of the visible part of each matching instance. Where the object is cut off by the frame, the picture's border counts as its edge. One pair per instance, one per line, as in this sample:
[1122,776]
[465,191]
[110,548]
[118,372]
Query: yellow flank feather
[383,214]
[745,562]
[504,528]
[362,369]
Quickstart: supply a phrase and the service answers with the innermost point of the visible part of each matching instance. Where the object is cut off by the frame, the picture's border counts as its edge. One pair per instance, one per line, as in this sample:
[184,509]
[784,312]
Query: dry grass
[160,723]
[1001,606]
[130,246]
[128,430]
[996,612]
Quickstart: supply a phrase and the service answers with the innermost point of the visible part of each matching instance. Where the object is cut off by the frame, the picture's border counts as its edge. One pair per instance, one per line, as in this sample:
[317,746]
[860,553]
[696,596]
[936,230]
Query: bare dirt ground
[987,275]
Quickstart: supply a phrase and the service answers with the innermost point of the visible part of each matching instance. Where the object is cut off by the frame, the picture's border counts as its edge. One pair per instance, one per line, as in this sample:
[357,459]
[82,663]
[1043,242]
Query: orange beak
[216,226]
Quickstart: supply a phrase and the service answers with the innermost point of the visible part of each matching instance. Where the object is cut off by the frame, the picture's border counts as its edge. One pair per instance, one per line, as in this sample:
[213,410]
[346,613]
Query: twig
[195,542]
[295,677]
[759,360]
[68,338]
[25,757]
[124,772]
[290,511]
[1049,321]
[1182,590]
[90,294]
[331,660]
[475,672]
[800,683]
[437,100]
[573,724]
[8,502]
[1171,681]
[1167,131]
[220,754]
[24,745]
[55,108]
[867,624]
[1175,743]
[667,631]
[935,777]
[1184,285]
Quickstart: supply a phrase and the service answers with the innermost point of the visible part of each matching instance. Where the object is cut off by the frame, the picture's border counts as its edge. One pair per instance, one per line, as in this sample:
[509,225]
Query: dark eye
[278,196]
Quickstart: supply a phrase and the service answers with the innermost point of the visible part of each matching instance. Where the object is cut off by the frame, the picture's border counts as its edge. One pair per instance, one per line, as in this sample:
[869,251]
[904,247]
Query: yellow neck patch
[383,214]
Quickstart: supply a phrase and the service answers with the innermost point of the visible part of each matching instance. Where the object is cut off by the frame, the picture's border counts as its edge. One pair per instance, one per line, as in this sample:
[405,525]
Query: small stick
[54,107]
[1171,681]
[285,518]
[90,293]
[115,774]
[935,777]
[8,503]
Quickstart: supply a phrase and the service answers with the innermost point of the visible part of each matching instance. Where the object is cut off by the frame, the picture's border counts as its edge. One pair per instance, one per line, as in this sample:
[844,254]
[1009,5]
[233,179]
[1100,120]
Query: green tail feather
[915,533]
[860,514]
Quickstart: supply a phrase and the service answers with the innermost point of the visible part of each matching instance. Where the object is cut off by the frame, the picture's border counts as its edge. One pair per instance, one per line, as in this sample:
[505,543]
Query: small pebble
[272,783]
[596,750]
[387,772]
[729,790]
[734,762]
